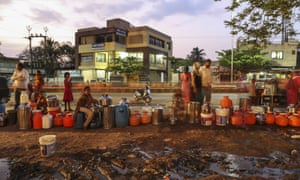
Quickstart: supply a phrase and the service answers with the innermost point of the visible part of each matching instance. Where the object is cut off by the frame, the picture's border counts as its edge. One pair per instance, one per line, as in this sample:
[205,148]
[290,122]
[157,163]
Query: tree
[245,60]
[48,55]
[127,66]
[260,20]
[196,55]
[178,62]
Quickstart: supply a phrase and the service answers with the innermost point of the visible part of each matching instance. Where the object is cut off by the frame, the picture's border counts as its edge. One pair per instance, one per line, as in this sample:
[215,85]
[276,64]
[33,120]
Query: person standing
[21,78]
[292,89]
[38,81]
[185,78]
[84,104]
[206,77]
[196,82]
[68,94]
[252,92]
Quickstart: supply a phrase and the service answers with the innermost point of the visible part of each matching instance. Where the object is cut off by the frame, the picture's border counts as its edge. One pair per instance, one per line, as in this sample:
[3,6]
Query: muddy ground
[180,151]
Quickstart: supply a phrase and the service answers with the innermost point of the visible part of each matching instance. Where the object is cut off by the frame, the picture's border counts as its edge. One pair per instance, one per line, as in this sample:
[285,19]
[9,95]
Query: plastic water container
[2,108]
[222,116]
[47,145]
[121,115]
[79,120]
[47,121]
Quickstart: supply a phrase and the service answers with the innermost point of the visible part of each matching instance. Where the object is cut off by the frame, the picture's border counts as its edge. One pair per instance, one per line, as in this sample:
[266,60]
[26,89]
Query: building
[7,66]
[285,56]
[96,48]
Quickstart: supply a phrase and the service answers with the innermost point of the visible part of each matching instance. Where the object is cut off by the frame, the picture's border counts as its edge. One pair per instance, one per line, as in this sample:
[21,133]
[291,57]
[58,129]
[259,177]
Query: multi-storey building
[285,56]
[96,48]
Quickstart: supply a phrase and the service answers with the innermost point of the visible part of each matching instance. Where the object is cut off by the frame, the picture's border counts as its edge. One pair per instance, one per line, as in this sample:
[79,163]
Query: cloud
[46,16]
[161,9]
[5,2]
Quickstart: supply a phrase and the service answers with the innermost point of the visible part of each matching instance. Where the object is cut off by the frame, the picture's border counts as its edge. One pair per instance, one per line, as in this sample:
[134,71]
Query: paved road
[157,98]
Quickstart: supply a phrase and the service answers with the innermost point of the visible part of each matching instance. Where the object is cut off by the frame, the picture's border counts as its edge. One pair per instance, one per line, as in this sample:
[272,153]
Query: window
[156,42]
[109,38]
[99,39]
[120,39]
[100,57]
[277,55]
[138,55]
[86,59]
[157,58]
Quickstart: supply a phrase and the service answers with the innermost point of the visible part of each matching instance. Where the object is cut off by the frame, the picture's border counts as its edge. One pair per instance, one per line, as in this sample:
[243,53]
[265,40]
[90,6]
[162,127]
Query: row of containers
[108,116]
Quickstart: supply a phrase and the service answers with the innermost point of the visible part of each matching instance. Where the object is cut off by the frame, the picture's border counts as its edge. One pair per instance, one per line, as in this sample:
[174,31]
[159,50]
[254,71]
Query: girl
[68,95]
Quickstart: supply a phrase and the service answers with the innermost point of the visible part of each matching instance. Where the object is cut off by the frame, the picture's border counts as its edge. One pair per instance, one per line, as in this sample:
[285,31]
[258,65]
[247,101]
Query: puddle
[4,168]
[129,161]
[244,166]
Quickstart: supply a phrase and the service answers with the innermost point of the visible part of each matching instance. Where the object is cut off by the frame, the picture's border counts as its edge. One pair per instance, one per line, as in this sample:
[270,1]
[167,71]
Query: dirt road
[181,151]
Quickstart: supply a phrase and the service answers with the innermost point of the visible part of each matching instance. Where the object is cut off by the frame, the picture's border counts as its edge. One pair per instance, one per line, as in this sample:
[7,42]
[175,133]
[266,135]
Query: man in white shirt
[206,76]
[21,78]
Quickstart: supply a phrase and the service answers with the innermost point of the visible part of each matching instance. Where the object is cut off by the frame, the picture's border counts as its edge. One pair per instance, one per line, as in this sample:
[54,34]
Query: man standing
[206,75]
[292,89]
[21,79]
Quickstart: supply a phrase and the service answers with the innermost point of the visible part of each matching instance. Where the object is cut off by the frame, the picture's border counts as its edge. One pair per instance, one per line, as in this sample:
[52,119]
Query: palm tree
[196,55]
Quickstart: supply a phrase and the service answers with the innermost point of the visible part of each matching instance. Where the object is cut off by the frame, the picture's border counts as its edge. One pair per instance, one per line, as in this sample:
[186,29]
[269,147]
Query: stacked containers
[24,112]
[108,111]
[194,112]
[53,105]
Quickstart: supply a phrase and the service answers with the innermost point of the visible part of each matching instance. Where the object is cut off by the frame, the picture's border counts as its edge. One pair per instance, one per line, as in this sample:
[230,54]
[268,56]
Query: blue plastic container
[2,108]
[79,120]
[121,115]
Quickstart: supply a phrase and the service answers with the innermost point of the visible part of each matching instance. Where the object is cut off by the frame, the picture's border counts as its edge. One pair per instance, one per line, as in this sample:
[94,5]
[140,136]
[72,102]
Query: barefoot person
[68,95]
[84,104]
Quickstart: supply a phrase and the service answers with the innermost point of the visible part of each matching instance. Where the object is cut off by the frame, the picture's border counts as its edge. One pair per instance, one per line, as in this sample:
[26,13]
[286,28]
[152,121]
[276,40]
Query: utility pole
[30,37]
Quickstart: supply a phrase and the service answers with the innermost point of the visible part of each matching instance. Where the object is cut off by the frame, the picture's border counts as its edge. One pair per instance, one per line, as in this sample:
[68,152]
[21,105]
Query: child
[68,95]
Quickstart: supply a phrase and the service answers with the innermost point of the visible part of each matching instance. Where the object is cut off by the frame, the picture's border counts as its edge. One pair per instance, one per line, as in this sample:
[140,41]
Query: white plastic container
[47,121]
[207,119]
[222,116]
[47,145]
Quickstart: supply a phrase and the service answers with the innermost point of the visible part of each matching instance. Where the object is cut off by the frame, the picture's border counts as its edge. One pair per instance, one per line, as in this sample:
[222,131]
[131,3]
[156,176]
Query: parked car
[4,90]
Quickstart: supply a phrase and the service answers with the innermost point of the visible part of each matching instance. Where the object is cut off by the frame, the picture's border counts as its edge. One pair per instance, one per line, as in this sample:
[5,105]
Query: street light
[30,37]
[232,48]
[30,48]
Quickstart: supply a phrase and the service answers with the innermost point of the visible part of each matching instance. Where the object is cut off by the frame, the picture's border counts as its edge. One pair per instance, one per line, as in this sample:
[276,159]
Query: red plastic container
[68,120]
[37,119]
[58,120]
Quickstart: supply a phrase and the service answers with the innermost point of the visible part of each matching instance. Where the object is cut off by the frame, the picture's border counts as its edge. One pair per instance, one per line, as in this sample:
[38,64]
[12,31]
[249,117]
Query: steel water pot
[24,115]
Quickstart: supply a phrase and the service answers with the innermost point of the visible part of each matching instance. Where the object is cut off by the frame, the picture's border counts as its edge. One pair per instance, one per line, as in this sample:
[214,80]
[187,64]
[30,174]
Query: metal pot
[105,100]
[194,112]
[109,117]
[24,117]
[52,101]
[157,115]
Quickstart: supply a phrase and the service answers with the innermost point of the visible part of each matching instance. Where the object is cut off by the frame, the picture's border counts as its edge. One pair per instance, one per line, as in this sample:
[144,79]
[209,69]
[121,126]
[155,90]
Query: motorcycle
[143,94]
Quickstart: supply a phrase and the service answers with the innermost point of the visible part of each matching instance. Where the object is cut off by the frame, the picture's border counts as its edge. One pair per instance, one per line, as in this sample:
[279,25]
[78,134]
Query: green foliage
[196,55]
[129,65]
[260,20]
[48,54]
[178,62]
[244,60]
